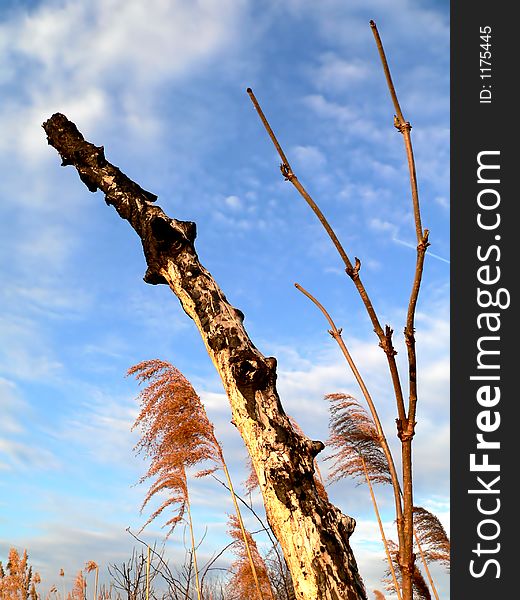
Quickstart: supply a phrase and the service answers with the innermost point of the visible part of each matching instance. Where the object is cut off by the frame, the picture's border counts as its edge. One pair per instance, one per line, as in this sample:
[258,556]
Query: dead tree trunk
[313,533]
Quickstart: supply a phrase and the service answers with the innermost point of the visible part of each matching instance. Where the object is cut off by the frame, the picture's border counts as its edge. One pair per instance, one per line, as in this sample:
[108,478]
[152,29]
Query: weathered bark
[313,533]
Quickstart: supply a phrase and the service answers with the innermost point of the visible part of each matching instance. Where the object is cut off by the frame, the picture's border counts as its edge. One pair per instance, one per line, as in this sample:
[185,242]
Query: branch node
[386,342]
[405,430]
[353,271]
[402,126]
[336,333]
[424,243]
[287,172]
[409,334]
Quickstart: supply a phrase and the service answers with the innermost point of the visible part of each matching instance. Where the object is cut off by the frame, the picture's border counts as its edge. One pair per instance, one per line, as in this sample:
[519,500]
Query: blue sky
[162,85]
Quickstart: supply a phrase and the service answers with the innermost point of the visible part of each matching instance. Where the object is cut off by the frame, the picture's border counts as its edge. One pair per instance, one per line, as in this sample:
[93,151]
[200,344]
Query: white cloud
[233,202]
[330,110]
[20,449]
[102,428]
[74,52]
[380,225]
[24,352]
[442,201]
[309,158]
[26,456]
[335,73]
[11,405]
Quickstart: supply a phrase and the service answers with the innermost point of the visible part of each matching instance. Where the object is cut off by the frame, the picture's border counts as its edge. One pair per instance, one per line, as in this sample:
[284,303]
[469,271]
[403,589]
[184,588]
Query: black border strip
[484,129]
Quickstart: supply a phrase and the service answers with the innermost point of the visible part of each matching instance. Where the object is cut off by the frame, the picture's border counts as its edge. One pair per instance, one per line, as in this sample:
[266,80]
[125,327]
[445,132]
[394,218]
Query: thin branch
[381,529]
[336,334]
[406,426]
[285,162]
[207,566]
[404,127]
[267,530]
[425,563]
[422,236]
[385,336]
[170,579]
[251,510]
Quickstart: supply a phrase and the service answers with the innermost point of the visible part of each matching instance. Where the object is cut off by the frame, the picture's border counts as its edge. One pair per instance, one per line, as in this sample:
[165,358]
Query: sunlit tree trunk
[314,534]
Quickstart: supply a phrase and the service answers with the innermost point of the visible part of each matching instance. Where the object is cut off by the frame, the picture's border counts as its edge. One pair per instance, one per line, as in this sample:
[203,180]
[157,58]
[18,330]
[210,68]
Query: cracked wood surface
[314,534]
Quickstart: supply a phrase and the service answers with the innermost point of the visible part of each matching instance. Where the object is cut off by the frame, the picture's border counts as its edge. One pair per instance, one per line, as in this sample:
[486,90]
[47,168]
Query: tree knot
[315,447]
[250,372]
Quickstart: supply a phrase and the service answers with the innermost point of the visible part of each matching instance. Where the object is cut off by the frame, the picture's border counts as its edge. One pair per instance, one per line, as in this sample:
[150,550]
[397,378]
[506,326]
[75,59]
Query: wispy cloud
[309,158]
[106,419]
[25,457]
[21,447]
[112,45]
[24,351]
[335,73]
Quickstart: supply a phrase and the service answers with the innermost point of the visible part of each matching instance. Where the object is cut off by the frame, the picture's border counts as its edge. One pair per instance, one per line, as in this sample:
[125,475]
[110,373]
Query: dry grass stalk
[432,541]
[89,567]
[420,589]
[193,550]
[177,434]
[79,589]
[358,453]
[243,582]
[147,572]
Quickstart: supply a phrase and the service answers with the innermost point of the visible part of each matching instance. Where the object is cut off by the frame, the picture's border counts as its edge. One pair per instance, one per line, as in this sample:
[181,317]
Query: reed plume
[177,434]
[420,588]
[355,441]
[242,583]
[358,453]
[78,590]
[89,567]
[17,580]
[431,536]
[251,483]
